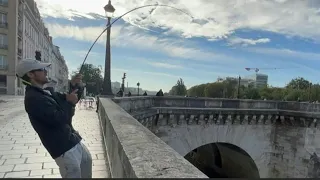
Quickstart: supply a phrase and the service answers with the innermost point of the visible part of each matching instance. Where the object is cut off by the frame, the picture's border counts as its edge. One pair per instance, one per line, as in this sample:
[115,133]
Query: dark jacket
[51,117]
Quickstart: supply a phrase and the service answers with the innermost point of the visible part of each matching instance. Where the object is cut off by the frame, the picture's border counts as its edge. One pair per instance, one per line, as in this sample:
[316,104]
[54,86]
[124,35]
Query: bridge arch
[255,140]
[223,160]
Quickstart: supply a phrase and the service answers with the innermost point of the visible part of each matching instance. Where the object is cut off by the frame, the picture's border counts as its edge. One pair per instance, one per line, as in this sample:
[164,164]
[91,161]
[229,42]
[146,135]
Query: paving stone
[28,177]
[95,148]
[99,162]
[2,175]
[23,167]
[17,174]
[55,171]
[39,159]
[52,176]
[20,147]
[101,156]
[11,156]
[99,168]
[7,142]
[41,172]
[6,148]
[6,168]
[15,161]
[2,161]
[99,174]
[50,165]
[18,151]
[34,155]
[41,150]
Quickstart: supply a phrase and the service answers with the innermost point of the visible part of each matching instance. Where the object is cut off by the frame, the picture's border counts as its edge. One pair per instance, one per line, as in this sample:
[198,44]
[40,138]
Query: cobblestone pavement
[22,154]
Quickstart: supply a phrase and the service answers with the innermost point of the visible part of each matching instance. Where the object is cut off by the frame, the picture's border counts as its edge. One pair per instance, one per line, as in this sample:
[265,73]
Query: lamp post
[109,9]
[138,84]
[239,81]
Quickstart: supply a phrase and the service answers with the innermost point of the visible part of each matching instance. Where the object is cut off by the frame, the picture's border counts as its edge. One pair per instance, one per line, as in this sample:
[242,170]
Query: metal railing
[3,24]
[3,46]
[3,67]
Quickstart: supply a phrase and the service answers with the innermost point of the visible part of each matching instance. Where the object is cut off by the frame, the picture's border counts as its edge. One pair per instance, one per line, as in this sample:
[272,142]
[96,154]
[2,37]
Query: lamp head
[109,9]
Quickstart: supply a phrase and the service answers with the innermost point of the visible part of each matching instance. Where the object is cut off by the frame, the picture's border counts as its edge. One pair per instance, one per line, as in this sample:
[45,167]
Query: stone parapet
[131,104]
[135,152]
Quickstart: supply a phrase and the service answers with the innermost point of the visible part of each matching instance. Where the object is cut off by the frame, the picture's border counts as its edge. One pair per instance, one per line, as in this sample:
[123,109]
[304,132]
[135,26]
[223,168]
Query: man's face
[39,76]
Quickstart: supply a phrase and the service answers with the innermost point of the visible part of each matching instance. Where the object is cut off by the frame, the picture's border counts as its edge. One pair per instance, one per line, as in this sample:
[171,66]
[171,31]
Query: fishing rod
[109,26]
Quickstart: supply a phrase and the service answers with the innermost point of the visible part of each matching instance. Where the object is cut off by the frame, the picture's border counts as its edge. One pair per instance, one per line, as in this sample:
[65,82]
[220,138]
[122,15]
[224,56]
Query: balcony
[20,31]
[20,9]
[19,52]
[4,25]
[3,46]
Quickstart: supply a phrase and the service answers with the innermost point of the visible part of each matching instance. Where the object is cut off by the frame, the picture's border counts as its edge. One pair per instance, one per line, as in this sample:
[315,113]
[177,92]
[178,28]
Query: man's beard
[42,81]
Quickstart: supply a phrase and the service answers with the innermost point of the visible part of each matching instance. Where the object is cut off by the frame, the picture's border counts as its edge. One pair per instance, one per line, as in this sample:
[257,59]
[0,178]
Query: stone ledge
[135,152]
[158,116]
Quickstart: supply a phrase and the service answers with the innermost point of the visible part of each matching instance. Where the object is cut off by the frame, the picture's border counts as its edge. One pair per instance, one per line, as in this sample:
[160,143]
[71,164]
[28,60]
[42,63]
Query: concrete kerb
[133,151]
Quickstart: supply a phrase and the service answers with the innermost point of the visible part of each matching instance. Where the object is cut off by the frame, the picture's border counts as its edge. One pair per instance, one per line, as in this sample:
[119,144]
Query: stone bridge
[179,137]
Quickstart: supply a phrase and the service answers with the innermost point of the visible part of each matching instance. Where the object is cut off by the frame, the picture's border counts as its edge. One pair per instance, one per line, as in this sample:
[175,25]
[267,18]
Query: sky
[211,38]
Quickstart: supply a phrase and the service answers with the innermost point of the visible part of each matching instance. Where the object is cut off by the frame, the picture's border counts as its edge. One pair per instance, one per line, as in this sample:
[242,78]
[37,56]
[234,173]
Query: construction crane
[258,69]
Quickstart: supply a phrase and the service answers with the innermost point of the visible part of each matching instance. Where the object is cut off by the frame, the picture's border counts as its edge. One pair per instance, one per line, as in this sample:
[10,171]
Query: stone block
[24,167]
[17,174]
[39,159]
[6,168]
[15,161]
[50,165]
[41,172]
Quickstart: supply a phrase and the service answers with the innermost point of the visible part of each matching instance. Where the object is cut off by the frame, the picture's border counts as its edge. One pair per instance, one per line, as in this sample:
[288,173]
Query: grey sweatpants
[75,163]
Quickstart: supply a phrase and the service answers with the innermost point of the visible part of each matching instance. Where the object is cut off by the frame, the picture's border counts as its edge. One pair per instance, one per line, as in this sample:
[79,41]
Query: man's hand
[72,97]
[77,79]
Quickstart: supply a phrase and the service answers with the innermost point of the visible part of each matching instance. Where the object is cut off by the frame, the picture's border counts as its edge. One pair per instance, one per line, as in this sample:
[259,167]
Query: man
[50,114]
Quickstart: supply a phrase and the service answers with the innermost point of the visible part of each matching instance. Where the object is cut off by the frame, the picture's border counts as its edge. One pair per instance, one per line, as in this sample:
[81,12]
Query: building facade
[21,25]
[256,80]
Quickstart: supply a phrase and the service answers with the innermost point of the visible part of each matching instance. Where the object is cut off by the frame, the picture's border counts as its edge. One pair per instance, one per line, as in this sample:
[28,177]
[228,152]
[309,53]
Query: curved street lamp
[109,9]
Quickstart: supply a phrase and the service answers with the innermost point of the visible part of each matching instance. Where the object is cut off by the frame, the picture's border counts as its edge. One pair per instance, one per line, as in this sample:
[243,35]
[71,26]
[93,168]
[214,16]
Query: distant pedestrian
[159,93]
[129,94]
[50,114]
[145,93]
[120,93]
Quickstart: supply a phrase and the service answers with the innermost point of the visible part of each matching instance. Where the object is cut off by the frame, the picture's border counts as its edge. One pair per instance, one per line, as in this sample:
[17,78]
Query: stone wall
[281,137]
[133,151]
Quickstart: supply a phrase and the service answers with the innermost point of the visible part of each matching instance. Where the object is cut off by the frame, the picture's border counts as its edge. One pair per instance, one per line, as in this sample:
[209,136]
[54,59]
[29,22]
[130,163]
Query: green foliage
[297,89]
[179,89]
[92,77]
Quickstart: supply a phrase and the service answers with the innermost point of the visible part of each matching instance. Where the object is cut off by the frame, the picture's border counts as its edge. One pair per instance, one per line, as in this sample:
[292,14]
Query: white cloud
[286,53]
[247,42]
[130,36]
[165,65]
[81,33]
[213,19]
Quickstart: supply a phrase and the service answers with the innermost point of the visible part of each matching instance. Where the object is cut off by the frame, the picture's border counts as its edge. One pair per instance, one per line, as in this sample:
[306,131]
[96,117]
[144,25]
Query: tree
[179,89]
[299,83]
[92,78]
[197,90]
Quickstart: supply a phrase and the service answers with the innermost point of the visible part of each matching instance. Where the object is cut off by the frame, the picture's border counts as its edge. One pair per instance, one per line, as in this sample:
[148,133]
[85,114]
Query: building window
[3,41]
[3,62]
[3,2]
[3,20]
